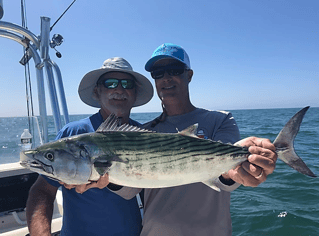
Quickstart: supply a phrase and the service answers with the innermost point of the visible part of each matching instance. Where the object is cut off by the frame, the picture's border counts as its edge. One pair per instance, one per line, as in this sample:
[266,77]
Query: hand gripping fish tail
[284,144]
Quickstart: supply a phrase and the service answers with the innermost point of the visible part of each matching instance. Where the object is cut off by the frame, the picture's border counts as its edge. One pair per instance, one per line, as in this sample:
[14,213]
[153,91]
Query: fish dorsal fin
[191,131]
[113,124]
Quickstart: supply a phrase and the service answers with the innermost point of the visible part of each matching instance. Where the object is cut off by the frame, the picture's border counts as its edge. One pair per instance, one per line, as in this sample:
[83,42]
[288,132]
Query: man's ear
[190,75]
[96,94]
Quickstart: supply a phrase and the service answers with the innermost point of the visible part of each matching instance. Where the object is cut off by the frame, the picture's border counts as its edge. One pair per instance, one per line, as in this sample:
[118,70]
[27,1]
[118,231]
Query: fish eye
[49,156]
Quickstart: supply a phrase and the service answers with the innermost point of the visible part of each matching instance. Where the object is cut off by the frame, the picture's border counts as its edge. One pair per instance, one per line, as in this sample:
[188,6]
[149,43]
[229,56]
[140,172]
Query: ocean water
[287,204]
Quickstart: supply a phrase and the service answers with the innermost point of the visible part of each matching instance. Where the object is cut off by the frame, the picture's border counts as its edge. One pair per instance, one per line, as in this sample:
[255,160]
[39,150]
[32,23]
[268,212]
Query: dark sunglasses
[112,83]
[172,70]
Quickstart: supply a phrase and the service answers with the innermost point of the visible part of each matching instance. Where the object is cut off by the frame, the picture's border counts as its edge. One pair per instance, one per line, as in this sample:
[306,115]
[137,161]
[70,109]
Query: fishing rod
[62,15]
[1,9]
[57,39]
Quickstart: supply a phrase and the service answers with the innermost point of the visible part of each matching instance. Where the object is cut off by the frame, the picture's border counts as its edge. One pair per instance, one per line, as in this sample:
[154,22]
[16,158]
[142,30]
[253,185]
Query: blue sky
[245,54]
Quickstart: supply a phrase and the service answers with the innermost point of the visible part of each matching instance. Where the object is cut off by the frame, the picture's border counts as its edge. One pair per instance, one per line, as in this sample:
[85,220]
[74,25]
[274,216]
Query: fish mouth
[31,163]
[37,165]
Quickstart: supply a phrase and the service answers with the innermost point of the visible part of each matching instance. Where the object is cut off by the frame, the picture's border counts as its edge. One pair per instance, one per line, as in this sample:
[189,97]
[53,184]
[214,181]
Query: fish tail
[284,144]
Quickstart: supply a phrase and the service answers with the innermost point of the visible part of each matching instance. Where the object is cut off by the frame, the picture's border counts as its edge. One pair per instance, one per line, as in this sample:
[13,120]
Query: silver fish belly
[166,160]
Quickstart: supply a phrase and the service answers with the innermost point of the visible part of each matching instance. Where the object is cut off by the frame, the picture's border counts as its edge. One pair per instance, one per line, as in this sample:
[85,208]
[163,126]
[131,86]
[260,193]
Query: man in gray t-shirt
[195,209]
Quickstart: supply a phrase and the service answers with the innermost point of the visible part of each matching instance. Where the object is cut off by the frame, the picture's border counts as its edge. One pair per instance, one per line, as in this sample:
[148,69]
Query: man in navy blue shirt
[115,88]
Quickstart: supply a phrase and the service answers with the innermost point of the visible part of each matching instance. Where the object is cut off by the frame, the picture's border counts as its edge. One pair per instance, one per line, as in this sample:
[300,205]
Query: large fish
[139,158]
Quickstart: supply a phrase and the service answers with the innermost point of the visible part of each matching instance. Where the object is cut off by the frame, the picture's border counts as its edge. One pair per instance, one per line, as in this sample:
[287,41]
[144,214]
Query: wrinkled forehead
[116,75]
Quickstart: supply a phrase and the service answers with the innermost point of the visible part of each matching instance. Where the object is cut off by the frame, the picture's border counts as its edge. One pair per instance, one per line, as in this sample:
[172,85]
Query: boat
[15,181]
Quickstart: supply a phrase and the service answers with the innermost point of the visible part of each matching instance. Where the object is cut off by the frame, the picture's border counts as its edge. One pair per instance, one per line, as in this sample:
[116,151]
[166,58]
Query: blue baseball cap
[168,50]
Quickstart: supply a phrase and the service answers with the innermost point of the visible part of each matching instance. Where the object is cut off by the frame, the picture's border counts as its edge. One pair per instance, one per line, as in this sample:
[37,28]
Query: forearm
[39,211]
[125,192]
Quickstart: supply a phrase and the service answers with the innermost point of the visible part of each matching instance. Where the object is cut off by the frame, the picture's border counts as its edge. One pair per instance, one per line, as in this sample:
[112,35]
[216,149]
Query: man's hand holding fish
[259,165]
[101,183]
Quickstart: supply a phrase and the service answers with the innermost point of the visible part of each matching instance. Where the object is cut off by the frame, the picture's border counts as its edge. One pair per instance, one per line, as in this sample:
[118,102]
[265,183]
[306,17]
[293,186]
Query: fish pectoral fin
[109,158]
[103,164]
[190,131]
[116,158]
[102,167]
[211,184]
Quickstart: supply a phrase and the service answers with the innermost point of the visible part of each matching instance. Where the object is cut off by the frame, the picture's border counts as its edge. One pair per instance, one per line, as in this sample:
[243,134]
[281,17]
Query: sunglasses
[172,70]
[112,83]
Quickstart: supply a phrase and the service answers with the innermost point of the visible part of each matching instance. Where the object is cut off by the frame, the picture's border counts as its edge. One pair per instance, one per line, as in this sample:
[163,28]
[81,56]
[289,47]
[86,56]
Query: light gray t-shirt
[193,209]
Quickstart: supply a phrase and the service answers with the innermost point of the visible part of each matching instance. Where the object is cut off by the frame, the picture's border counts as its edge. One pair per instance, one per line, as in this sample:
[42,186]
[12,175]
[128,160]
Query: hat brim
[150,63]
[144,88]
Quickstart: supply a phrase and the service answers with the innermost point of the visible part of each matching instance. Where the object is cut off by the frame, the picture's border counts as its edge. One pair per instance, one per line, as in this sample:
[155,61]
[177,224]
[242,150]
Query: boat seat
[15,183]
[14,191]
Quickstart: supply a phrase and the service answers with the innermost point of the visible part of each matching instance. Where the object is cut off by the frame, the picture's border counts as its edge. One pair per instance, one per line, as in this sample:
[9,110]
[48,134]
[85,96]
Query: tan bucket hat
[144,88]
